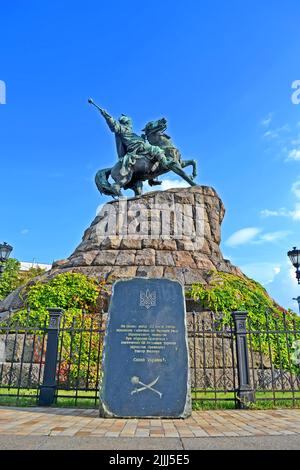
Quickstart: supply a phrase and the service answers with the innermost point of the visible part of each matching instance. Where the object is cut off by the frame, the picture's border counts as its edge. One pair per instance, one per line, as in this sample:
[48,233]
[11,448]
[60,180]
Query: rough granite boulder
[174,234]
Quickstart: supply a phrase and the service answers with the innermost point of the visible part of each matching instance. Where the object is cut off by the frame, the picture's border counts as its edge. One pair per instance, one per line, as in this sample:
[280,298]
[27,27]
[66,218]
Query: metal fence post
[245,392]
[48,388]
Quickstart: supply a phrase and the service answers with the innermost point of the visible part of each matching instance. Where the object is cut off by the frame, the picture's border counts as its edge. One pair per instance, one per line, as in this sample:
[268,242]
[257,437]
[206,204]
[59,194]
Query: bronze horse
[144,168]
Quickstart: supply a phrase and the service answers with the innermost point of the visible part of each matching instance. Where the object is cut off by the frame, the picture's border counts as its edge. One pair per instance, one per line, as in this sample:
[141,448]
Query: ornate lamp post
[294,256]
[5,251]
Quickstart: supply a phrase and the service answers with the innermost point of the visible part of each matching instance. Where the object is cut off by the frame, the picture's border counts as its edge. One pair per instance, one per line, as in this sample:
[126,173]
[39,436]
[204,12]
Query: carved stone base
[150,243]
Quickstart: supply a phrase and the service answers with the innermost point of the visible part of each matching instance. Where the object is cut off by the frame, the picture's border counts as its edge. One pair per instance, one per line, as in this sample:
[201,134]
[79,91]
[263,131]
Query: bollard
[245,392]
[48,388]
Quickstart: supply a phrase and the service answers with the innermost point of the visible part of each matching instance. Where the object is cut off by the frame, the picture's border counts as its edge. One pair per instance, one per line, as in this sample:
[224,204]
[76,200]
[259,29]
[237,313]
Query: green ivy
[74,293]
[67,290]
[227,292]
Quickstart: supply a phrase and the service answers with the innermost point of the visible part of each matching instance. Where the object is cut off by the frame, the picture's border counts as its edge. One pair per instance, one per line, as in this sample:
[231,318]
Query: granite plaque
[145,360]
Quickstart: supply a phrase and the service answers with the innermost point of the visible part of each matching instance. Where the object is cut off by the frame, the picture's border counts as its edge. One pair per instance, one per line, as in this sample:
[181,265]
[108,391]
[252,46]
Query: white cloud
[167,184]
[273,236]
[296,189]
[253,235]
[24,231]
[284,285]
[279,279]
[277,133]
[271,134]
[283,212]
[284,140]
[296,141]
[240,237]
[264,273]
[292,275]
[296,212]
[294,154]
[266,121]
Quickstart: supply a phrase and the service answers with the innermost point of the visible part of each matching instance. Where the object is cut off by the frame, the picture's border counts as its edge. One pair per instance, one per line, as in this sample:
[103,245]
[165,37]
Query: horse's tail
[101,180]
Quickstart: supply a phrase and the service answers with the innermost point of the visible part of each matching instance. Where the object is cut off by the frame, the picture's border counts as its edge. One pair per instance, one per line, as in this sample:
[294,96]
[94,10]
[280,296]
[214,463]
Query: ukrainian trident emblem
[147,299]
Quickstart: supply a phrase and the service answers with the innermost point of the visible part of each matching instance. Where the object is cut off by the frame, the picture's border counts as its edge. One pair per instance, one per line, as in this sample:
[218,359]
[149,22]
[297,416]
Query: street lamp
[294,256]
[5,251]
[298,300]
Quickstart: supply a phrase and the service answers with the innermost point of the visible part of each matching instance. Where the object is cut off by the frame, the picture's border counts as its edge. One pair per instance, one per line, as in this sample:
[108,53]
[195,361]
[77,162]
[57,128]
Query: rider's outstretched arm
[111,122]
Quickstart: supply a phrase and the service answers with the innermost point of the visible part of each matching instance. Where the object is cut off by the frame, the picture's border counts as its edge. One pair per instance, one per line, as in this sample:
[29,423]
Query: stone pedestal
[171,234]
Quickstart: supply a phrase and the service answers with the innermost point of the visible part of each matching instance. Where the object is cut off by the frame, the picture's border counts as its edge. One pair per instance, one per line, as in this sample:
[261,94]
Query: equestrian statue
[140,158]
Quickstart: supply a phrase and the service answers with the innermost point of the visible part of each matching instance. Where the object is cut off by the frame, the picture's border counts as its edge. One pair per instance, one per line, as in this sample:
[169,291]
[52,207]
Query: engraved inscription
[149,343]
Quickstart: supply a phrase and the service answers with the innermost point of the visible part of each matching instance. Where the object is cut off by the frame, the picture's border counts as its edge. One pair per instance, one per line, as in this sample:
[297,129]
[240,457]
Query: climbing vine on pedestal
[227,292]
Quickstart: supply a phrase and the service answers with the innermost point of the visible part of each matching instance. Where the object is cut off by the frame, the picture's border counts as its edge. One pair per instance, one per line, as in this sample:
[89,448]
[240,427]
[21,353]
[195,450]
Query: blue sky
[221,72]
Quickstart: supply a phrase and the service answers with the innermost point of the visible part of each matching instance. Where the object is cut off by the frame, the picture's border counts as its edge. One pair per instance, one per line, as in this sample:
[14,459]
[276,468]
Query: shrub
[13,277]
[78,296]
[227,292]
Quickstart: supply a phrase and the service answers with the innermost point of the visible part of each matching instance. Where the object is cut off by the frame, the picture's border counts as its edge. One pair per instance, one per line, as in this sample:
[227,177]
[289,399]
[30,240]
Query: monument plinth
[145,369]
[172,234]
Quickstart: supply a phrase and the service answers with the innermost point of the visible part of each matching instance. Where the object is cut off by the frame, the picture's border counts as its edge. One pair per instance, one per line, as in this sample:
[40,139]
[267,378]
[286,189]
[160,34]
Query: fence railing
[22,358]
[233,361]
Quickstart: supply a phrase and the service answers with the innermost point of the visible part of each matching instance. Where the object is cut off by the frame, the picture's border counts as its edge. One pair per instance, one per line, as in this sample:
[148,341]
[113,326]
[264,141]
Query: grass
[208,400]
[81,399]
[264,400]
[65,399]
[10,397]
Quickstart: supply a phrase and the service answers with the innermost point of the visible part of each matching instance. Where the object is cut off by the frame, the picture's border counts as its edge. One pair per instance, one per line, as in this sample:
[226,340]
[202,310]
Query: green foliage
[70,291]
[26,276]
[13,277]
[80,342]
[227,293]
[67,290]
[10,277]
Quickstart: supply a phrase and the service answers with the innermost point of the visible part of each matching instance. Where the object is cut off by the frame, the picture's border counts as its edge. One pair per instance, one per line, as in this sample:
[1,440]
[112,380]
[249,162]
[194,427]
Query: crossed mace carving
[136,381]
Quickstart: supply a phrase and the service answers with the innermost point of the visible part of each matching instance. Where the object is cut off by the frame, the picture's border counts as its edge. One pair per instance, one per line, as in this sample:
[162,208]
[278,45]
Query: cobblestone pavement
[86,423]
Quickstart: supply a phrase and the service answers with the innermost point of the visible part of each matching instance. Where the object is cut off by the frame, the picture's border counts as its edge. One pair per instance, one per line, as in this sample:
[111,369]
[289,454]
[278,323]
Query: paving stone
[84,424]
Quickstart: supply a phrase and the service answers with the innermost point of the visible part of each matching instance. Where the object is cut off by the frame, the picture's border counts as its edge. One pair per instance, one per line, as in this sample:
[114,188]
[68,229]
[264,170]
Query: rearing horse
[154,132]
[144,168]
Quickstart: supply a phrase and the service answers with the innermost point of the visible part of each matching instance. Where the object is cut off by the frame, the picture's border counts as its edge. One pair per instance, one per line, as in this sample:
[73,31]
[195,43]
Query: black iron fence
[233,362]
[22,359]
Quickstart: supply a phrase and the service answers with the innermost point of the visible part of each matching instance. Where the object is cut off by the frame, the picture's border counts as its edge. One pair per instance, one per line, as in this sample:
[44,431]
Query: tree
[10,277]
[13,277]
